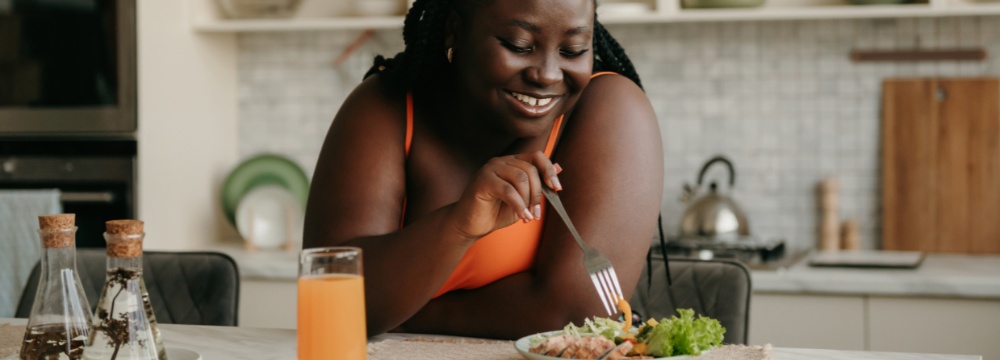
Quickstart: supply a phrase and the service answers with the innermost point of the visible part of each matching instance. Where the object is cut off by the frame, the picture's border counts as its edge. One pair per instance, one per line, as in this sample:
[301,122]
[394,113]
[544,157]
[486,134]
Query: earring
[450,52]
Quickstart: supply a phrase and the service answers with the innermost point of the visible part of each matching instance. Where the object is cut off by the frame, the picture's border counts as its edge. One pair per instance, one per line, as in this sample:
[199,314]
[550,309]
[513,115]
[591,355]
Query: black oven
[67,67]
[95,177]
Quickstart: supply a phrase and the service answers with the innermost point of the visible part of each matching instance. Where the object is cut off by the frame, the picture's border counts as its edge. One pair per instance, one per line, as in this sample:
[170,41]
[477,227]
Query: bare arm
[613,179]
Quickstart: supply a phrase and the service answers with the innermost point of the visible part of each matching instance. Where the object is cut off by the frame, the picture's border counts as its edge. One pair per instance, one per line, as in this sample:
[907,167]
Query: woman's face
[525,62]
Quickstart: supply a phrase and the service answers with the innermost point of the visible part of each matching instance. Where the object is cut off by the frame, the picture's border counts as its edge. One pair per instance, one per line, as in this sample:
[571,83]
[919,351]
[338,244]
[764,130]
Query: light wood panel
[941,165]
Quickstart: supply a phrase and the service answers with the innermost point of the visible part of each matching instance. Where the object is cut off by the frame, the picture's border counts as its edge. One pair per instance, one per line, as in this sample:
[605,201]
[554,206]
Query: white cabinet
[268,303]
[877,323]
[950,326]
[808,321]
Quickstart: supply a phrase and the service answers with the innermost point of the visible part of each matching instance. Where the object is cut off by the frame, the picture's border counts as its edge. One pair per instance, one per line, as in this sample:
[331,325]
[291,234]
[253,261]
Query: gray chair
[192,288]
[716,288]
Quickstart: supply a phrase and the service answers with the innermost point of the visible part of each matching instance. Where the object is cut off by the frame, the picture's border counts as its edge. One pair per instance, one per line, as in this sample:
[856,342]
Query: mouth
[532,105]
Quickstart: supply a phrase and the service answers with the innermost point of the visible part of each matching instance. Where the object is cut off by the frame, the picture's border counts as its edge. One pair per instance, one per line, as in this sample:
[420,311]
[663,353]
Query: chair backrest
[192,288]
[716,288]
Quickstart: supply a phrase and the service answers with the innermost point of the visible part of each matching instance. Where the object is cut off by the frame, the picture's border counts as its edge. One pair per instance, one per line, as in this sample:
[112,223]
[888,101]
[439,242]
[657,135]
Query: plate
[522,347]
[182,354]
[269,216]
[266,169]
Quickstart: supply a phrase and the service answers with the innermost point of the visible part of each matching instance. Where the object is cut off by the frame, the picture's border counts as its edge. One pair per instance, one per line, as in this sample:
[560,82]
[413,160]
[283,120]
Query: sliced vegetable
[627,311]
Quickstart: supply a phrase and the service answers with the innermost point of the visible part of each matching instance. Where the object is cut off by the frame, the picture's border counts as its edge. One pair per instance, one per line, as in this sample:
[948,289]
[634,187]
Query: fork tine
[600,292]
[614,280]
[607,292]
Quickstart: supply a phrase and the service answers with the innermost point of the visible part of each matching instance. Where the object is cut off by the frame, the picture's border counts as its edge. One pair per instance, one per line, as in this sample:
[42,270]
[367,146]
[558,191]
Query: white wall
[187,127]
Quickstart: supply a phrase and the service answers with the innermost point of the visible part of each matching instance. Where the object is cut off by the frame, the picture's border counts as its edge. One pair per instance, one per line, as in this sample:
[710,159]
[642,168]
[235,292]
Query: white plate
[182,354]
[269,216]
[522,347]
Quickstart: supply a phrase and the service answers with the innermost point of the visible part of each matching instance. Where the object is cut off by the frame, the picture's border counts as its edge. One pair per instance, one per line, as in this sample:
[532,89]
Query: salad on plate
[603,338]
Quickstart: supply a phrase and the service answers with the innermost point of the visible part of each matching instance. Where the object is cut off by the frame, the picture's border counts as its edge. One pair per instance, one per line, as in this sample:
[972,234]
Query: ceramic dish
[269,216]
[522,346]
[260,170]
[182,354]
[695,4]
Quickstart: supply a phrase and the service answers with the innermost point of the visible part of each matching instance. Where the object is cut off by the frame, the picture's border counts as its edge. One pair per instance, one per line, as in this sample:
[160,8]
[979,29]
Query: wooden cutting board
[941,165]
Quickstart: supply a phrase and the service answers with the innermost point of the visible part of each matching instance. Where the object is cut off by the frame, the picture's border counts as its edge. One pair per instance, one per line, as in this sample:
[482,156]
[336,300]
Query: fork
[599,267]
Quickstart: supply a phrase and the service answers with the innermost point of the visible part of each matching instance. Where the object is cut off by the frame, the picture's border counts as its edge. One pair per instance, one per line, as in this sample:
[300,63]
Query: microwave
[67,67]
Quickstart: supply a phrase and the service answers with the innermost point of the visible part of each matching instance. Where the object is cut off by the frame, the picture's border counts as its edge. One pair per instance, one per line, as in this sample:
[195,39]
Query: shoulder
[613,92]
[372,108]
[614,98]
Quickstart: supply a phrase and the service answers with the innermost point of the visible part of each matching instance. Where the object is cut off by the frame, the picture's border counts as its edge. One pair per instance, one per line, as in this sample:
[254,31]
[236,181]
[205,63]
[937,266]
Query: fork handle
[557,204]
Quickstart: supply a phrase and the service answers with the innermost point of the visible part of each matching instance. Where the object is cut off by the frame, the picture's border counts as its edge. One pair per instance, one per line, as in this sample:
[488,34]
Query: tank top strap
[409,122]
[602,73]
[553,134]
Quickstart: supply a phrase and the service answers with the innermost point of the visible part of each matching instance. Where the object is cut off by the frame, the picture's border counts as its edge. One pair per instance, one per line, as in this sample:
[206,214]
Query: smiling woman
[435,164]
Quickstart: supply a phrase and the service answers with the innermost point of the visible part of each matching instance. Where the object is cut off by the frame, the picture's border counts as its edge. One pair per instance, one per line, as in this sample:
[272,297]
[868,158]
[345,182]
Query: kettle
[712,216]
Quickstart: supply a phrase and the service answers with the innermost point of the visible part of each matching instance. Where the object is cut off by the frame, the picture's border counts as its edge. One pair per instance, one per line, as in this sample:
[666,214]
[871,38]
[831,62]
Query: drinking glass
[331,309]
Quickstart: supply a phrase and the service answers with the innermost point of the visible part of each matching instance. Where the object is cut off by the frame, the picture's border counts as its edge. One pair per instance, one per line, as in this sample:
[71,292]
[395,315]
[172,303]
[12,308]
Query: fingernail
[538,211]
[528,215]
[558,168]
[556,184]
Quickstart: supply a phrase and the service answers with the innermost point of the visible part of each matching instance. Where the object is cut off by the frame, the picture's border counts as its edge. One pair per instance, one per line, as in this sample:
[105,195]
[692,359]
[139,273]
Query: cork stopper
[57,230]
[124,238]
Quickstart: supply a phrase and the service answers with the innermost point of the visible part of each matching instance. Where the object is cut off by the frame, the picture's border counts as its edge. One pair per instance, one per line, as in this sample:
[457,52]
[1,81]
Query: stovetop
[756,252]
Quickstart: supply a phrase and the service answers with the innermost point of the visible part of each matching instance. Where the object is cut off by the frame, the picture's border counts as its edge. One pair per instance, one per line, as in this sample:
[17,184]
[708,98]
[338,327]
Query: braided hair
[423,37]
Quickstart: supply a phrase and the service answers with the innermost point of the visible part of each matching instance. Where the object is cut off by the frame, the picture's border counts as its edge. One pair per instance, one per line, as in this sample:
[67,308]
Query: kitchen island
[218,342]
[949,304]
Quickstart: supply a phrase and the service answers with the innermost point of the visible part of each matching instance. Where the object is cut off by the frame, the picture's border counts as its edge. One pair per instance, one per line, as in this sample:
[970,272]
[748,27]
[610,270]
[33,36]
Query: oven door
[97,186]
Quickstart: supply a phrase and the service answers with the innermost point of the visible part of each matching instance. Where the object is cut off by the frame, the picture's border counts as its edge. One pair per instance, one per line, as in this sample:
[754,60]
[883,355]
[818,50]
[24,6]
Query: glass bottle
[124,324]
[60,316]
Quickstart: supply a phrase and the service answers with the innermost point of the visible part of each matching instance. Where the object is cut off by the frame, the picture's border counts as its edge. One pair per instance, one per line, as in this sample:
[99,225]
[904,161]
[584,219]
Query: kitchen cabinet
[808,321]
[877,323]
[268,303]
[955,326]
[205,16]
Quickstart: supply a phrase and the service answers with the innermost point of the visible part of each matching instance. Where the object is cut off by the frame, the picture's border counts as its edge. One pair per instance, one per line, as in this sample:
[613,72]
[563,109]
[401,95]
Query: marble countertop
[219,342]
[940,275]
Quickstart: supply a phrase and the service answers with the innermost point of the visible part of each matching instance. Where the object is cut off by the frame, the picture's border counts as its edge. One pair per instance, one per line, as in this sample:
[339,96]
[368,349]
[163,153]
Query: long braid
[610,56]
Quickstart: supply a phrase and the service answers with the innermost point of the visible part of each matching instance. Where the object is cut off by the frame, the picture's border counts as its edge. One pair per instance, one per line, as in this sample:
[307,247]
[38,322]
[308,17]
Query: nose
[546,72]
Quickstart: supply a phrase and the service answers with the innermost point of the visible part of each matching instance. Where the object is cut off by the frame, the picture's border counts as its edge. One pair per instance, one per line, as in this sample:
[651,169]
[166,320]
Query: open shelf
[205,17]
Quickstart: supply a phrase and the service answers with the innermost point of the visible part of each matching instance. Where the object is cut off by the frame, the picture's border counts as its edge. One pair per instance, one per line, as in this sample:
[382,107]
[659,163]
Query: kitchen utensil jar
[60,315]
[124,324]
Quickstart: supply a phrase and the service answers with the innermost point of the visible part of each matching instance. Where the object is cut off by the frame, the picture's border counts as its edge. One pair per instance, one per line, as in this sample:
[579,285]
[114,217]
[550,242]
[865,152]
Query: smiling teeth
[531,100]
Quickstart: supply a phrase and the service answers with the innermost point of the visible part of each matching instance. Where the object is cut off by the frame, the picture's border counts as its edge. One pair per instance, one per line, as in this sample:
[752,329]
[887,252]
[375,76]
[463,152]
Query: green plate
[266,169]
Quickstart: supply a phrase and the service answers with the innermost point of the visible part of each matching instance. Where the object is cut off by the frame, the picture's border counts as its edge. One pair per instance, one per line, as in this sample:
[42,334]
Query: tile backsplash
[781,99]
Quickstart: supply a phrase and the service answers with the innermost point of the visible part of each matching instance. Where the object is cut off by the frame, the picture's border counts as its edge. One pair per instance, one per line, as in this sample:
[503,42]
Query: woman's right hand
[506,189]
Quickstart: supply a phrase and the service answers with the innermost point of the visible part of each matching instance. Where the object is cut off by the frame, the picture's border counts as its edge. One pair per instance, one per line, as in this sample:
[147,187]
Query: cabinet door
[268,304]
[939,326]
[941,165]
[808,321]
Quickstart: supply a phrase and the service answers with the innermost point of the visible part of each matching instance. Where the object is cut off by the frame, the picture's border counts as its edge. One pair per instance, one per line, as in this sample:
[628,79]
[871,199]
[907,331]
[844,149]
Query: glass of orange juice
[331,309]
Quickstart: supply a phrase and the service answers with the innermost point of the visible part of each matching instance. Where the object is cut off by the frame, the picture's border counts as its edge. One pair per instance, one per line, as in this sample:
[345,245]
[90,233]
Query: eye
[514,48]
[573,54]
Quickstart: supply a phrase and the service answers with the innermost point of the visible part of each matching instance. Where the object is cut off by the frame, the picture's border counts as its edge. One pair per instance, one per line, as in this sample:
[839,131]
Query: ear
[451,26]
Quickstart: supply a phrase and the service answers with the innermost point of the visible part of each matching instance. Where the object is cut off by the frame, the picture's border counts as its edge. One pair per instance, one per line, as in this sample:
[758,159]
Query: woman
[434,167]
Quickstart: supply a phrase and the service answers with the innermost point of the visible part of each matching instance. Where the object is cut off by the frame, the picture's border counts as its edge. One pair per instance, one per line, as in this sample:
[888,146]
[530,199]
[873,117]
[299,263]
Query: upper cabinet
[211,16]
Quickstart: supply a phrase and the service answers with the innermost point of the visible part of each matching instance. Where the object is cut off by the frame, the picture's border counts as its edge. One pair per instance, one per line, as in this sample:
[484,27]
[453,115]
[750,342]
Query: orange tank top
[503,252]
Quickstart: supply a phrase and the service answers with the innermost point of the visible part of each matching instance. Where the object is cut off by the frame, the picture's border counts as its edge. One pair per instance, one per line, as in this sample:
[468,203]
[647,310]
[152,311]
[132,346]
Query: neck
[462,126]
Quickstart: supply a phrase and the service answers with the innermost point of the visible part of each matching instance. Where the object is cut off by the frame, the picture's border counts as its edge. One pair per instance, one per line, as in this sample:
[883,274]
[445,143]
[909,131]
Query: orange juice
[331,317]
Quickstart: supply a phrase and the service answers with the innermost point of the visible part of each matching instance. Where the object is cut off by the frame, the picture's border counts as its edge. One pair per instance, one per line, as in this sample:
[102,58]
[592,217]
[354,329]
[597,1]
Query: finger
[547,170]
[514,189]
[534,198]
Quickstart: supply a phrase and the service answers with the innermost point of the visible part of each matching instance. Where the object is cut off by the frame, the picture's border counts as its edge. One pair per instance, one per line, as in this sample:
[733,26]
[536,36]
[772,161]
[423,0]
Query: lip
[528,110]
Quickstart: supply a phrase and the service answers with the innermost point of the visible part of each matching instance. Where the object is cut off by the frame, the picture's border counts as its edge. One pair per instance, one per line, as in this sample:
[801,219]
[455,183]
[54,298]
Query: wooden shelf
[210,23]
